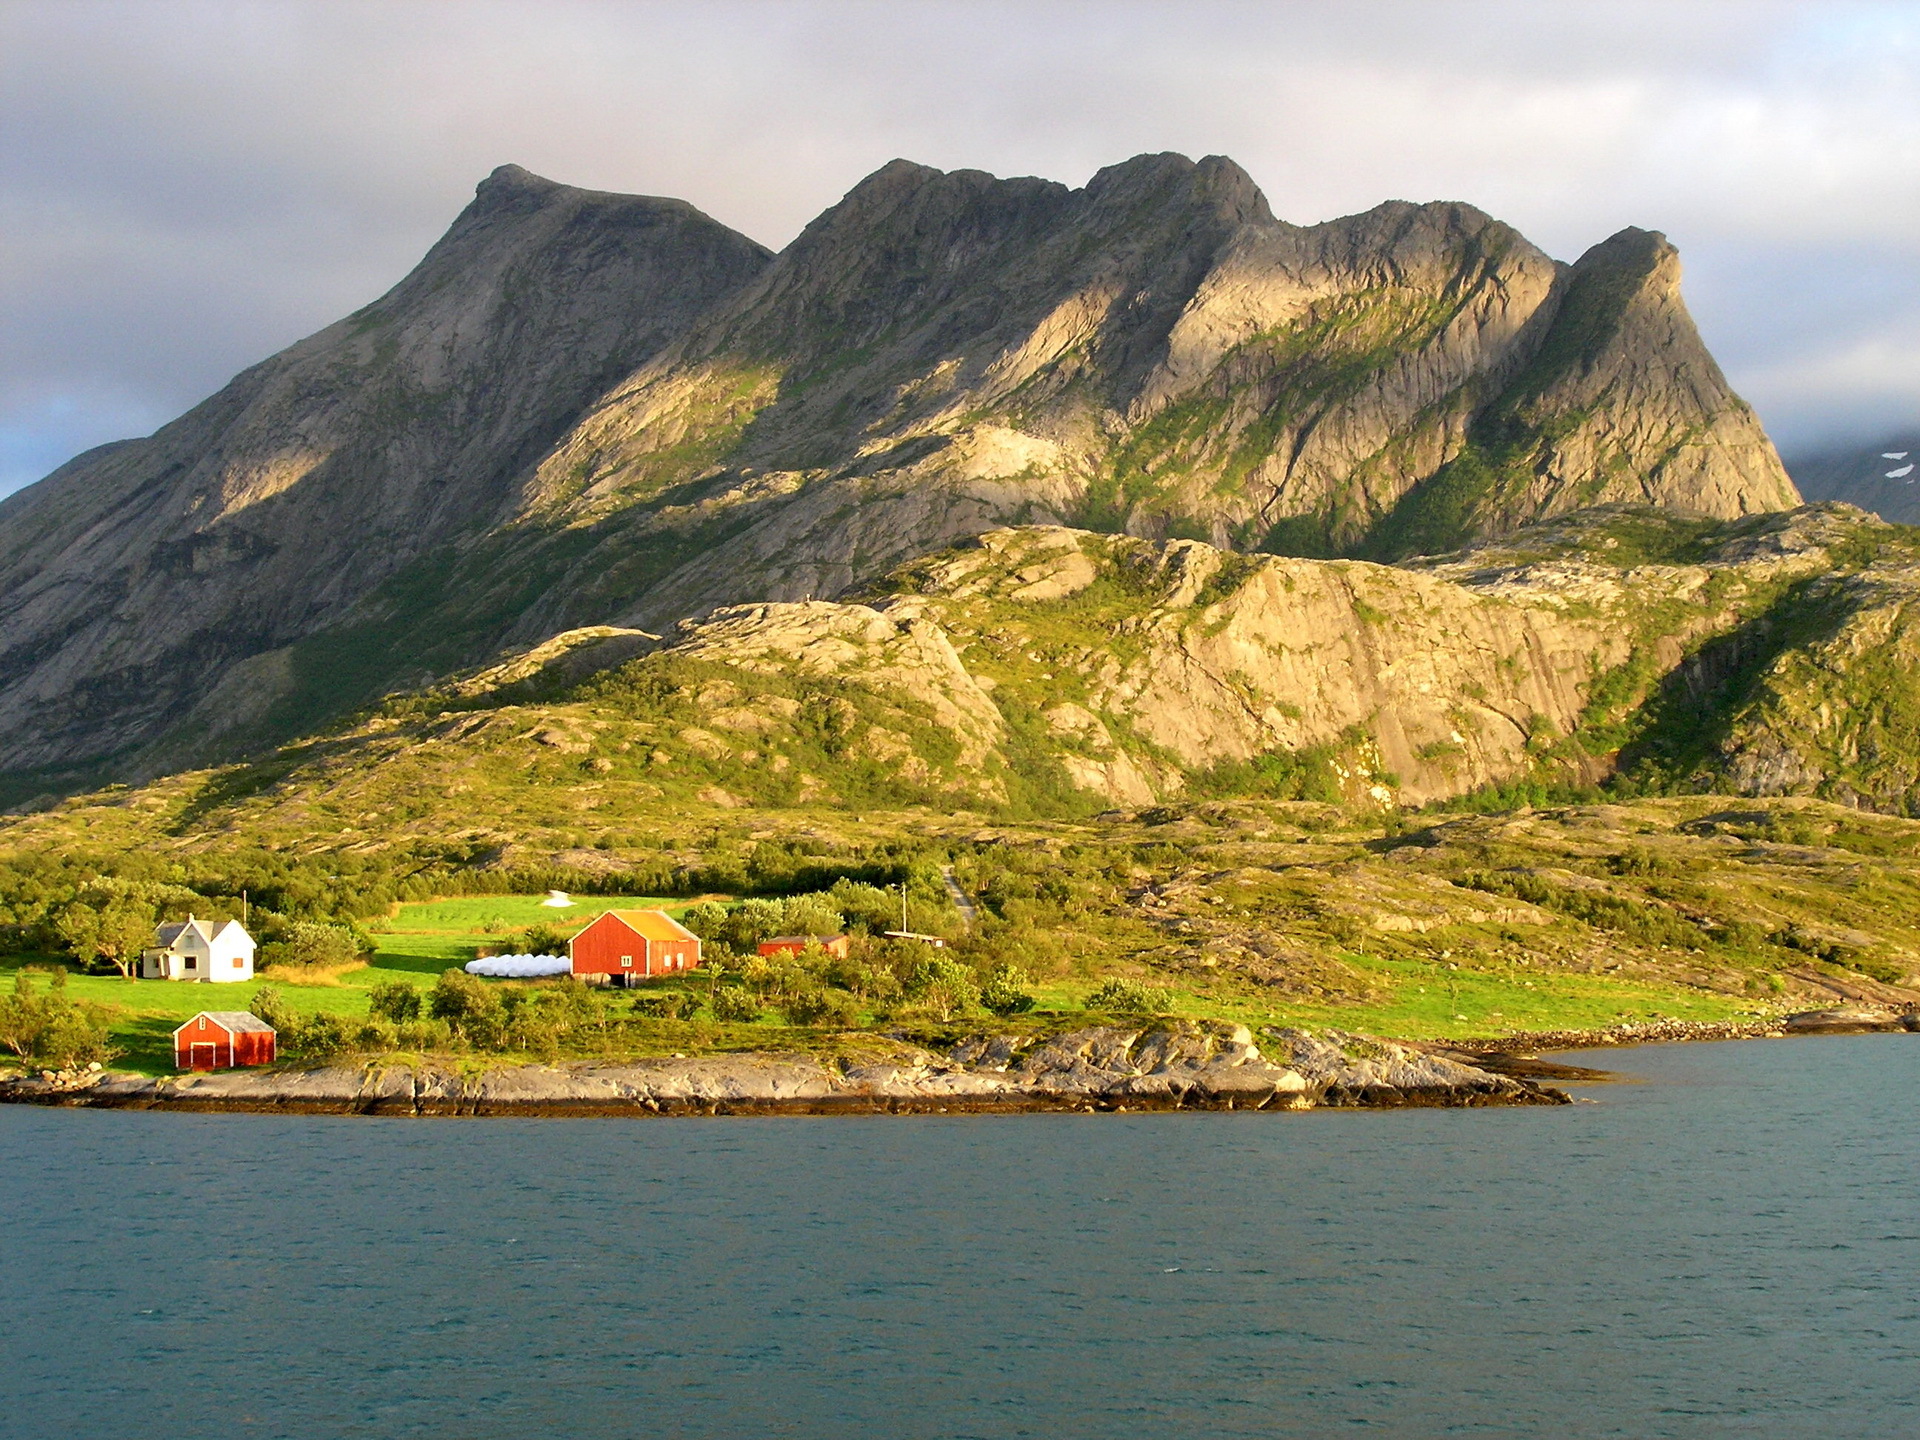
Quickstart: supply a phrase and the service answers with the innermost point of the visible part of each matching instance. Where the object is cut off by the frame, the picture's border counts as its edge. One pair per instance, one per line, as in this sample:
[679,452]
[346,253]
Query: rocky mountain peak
[585,408]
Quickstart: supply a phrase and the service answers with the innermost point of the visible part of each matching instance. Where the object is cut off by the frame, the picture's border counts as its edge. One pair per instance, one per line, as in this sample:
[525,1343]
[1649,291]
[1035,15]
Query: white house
[213,950]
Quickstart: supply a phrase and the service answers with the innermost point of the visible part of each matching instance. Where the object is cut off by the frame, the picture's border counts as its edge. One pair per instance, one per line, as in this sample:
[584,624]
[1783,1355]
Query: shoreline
[1184,1065]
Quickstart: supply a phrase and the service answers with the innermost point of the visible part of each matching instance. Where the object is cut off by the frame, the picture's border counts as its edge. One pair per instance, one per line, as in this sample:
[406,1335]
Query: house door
[202,1057]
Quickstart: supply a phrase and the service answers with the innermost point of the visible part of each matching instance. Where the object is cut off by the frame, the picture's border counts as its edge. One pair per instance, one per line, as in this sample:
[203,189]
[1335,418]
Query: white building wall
[231,958]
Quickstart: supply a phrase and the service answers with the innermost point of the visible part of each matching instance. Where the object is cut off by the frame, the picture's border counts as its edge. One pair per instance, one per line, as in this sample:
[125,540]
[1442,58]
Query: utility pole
[903,905]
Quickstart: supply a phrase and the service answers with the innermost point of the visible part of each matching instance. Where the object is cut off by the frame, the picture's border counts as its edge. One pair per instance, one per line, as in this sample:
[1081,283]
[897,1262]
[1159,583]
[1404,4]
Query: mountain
[1041,672]
[587,409]
[1883,478]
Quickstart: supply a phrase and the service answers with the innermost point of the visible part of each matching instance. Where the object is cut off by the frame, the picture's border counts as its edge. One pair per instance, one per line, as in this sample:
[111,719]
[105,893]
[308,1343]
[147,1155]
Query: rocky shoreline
[1847,1021]
[1183,1066]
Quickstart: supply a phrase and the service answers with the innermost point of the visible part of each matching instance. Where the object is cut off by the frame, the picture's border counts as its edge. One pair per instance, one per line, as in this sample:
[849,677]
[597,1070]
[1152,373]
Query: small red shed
[794,944]
[221,1039]
[628,945]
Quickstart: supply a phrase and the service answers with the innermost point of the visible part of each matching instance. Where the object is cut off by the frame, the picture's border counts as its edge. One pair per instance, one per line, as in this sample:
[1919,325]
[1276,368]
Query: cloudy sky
[186,187]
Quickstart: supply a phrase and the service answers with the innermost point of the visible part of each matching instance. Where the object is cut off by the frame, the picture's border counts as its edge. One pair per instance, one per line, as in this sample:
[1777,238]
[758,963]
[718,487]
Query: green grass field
[416,944]
[1414,999]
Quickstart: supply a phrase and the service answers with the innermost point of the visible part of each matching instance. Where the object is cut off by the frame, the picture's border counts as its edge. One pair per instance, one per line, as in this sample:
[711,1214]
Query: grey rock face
[135,576]
[586,409]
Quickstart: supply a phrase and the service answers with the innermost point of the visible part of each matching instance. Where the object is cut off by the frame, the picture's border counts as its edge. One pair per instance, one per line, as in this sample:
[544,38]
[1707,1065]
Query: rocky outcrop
[588,409]
[1168,1066]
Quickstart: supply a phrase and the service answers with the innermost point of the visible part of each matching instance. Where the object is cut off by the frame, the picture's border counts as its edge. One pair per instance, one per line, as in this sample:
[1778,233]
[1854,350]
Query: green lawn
[1418,999]
[415,945]
[1427,1001]
[426,938]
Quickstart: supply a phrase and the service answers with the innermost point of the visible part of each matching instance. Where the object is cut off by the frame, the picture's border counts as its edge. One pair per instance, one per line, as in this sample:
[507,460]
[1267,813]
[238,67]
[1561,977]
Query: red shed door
[202,1057]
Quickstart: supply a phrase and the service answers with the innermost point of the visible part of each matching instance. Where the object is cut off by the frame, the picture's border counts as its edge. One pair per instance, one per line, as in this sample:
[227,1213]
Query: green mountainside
[587,409]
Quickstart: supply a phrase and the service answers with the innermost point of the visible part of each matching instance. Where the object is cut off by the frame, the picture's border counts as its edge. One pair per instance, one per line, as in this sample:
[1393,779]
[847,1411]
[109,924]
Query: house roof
[652,924]
[207,930]
[233,1021]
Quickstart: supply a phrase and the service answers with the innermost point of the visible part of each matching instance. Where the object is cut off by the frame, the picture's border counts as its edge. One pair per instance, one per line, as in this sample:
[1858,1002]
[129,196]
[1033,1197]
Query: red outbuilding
[794,944]
[629,945]
[221,1039]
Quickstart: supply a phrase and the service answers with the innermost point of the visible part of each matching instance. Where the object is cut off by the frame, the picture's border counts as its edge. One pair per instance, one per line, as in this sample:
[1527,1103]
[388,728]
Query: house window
[203,1022]
[238,963]
[190,962]
[627,961]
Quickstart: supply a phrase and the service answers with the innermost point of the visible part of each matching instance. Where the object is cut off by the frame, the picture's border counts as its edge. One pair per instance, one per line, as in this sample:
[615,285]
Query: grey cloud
[186,187]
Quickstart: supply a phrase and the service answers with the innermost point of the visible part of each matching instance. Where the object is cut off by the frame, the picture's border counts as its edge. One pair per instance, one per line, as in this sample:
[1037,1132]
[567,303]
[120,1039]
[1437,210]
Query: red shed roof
[235,1022]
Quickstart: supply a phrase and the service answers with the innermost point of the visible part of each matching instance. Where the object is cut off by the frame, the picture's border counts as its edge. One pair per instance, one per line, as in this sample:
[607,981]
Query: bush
[422,1035]
[941,984]
[466,1002]
[312,943]
[832,1009]
[374,1034]
[1130,997]
[52,1028]
[668,1005]
[270,1006]
[394,1000]
[1005,992]
[736,1004]
[546,940]
[318,1037]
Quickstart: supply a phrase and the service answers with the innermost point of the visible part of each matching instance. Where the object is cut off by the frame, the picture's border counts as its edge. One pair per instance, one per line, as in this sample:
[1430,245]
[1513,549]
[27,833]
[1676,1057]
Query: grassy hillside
[1264,912]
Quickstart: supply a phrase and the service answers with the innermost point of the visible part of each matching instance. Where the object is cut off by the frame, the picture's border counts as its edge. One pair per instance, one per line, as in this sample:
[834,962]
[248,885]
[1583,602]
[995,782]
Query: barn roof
[233,1021]
[653,924]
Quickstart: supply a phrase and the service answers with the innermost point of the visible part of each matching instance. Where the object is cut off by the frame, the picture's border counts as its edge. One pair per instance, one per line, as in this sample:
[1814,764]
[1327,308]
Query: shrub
[51,1027]
[313,943]
[943,985]
[1005,992]
[373,1033]
[457,997]
[394,1000]
[1129,997]
[318,1037]
[546,940]
[668,1005]
[736,1004]
[270,1006]
[422,1034]
[833,1009]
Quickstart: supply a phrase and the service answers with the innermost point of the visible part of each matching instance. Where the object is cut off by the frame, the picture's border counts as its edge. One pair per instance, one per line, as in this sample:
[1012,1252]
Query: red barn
[220,1039]
[627,945]
[794,944]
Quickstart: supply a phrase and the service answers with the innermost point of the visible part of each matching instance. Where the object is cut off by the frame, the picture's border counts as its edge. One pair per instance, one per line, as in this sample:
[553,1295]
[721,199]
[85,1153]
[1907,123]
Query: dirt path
[968,911]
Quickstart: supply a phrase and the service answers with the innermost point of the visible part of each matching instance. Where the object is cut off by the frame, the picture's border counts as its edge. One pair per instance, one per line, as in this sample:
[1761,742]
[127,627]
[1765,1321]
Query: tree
[115,932]
[53,1028]
[394,1000]
[943,985]
[1005,992]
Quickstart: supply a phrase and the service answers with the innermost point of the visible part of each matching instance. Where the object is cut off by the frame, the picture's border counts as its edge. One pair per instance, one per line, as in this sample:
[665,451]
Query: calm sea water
[1726,1249]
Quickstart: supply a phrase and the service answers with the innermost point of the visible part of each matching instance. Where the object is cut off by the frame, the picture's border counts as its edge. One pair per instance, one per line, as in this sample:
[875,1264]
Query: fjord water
[1727,1248]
